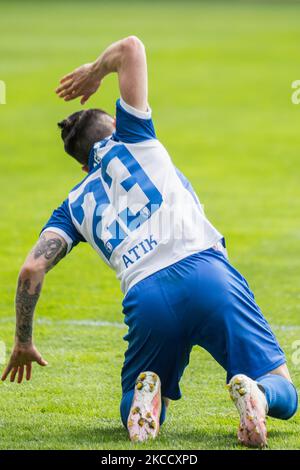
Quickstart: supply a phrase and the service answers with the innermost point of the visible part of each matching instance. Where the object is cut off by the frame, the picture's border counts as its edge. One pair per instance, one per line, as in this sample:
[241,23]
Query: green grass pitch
[220,89]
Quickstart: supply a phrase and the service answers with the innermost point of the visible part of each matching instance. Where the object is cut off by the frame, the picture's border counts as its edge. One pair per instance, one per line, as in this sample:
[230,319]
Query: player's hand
[83,81]
[21,361]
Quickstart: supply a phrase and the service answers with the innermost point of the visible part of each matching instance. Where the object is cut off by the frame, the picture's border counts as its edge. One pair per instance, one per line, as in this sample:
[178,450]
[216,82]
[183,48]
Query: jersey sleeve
[61,223]
[132,125]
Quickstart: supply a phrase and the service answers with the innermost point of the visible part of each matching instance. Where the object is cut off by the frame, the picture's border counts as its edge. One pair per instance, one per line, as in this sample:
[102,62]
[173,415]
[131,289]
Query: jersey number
[130,219]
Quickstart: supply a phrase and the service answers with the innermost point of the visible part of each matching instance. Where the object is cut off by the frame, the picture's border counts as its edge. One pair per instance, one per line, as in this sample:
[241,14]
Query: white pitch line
[93,323]
[286,327]
[96,323]
[102,323]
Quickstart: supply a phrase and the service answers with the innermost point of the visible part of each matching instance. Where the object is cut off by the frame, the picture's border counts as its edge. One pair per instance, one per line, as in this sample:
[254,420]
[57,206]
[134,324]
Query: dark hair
[81,130]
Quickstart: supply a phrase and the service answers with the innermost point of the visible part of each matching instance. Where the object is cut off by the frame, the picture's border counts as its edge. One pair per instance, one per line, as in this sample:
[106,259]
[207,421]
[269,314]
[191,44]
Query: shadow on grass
[168,438]
[189,437]
[280,439]
[99,434]
[198,439]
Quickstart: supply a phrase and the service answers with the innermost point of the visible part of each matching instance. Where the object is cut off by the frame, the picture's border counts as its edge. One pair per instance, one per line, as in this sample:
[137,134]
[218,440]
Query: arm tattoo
[53,250]
[29,287]
[25,305]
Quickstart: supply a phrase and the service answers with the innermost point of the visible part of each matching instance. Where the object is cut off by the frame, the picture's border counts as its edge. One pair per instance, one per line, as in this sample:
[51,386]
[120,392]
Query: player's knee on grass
[126,405]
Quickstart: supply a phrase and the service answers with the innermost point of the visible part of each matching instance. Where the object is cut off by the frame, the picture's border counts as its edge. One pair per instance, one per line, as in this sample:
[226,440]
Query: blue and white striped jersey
[134,208]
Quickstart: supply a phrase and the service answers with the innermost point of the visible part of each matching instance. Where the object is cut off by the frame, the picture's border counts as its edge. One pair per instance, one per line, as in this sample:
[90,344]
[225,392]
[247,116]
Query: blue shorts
[200,300]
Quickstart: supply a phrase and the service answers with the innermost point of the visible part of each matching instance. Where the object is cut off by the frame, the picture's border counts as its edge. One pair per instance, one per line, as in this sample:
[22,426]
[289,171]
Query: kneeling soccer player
[143,218]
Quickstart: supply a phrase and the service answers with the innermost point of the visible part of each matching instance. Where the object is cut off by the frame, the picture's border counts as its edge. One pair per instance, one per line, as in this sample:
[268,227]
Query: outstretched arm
[48,251]
[127,58]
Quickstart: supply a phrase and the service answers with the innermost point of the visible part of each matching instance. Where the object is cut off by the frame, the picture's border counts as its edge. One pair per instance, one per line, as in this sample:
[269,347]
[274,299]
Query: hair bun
[64,124]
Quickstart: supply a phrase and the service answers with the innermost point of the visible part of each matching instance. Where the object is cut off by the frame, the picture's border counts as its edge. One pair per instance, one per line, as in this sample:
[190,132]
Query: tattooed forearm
[26,299]
[48,251]
[52,249]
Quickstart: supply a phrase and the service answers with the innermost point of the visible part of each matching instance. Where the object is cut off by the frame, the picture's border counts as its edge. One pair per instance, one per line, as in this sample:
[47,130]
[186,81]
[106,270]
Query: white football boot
[143,419]
[252,406]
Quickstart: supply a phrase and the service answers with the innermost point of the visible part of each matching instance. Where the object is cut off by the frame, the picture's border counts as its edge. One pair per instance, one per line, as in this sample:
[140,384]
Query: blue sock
[126,405]
[281,395]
